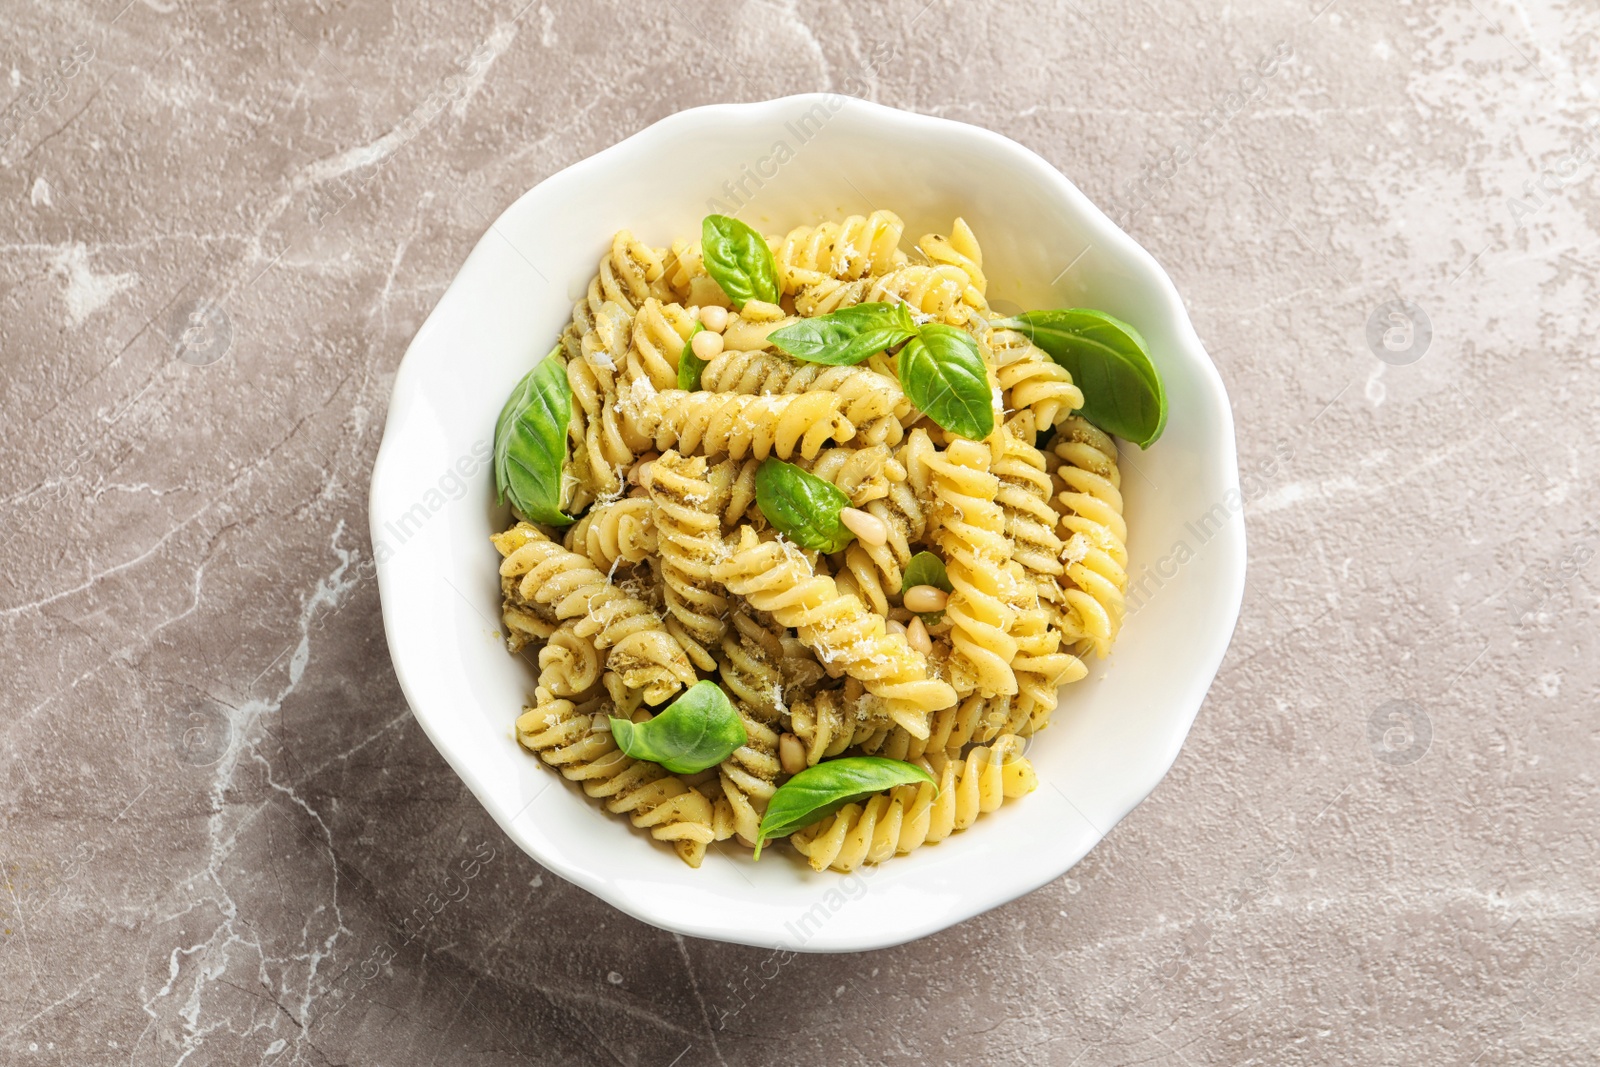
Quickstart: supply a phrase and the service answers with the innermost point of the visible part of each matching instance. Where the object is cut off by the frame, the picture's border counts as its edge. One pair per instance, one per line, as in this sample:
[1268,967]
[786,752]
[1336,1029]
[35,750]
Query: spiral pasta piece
[970,530]
[752,331]
[866,245]
[640,649]
[613,532]
[903,512]
[864,394]
[854,248]
[569,665]
[1024,499]
[752,665]
[1030,379]
[681,266]
[579,744]
[861,577]
[863,474]
[973,718]
[592,374]
[846,637]
[660,330]
[690,538]
[733,489]
[1095,578]
[960,250]
[525,623]
[631,273]
[524,626]
[934,291]
[749,776]
[832,720]
[1041,665]
[709,423]
[910,816]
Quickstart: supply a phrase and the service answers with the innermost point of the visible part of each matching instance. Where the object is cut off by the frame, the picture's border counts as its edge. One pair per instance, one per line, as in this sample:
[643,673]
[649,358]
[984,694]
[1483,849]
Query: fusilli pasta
[659,334]
[910,816]
[740,425]
[970,528]
[579,744]
[864,395]
[690,538]
[614,531]
[639,648]
[845,635]
[1096,554]
[671,572]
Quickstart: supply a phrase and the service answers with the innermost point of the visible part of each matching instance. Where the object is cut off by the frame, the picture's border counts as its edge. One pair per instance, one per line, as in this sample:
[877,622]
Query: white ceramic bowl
[780,164]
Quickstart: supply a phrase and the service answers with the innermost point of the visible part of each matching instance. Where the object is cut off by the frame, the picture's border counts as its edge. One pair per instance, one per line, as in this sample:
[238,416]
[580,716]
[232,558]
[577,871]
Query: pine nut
[715,319]
[636,475]
[895,626]
[868,527]
[707,344]
[917,636]
[925,598]
[792,754]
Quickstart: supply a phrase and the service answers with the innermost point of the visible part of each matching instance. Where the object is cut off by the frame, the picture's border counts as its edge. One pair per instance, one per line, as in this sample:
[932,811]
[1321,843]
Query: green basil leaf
[925,568]
[530,442]
[698,730]
[738,258]
[845,337]
[690,366]
[1109,361]
[943,373]
[817,792]
[801,506]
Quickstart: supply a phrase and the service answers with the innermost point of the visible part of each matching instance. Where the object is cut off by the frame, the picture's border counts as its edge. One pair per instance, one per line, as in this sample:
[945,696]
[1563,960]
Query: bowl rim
[408,390]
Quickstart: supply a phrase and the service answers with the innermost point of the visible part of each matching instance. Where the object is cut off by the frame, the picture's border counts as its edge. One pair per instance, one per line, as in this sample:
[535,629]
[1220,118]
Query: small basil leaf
[690,366]
[698,730]
[530,442]
[845,337]
[738,258]
[925,568]
[817,792]
[943,373]
[801,506]
[1109,361]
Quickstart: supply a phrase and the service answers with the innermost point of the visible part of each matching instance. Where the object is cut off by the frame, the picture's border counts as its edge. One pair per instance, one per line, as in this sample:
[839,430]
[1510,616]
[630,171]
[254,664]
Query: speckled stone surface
[224,840]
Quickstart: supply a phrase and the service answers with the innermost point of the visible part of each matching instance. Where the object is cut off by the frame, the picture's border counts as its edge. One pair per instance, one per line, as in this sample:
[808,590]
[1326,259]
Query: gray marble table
[225,841]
